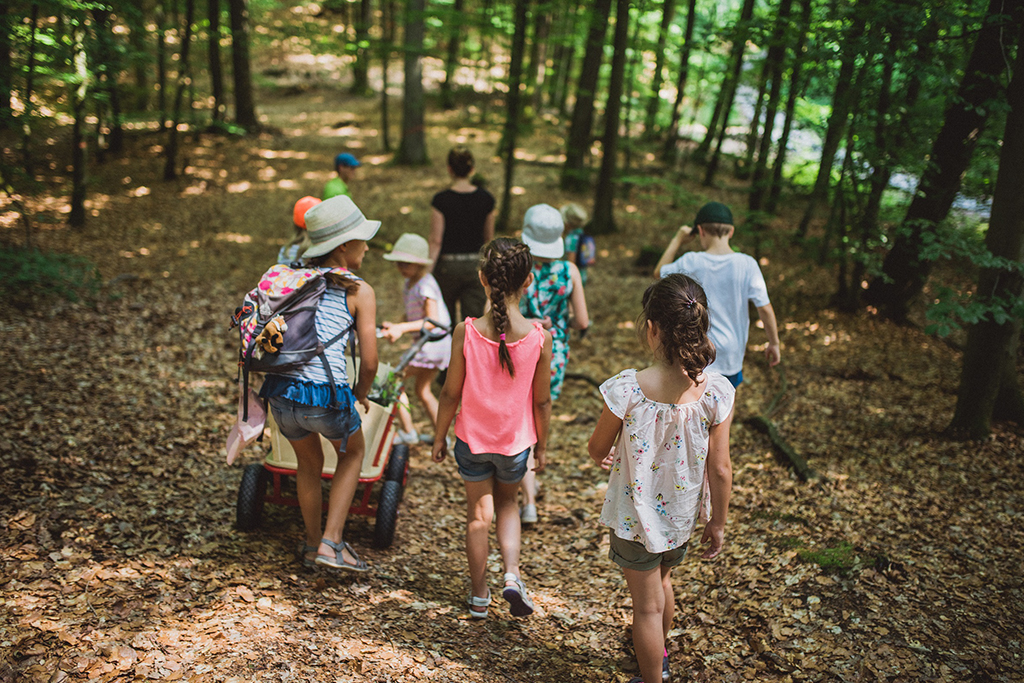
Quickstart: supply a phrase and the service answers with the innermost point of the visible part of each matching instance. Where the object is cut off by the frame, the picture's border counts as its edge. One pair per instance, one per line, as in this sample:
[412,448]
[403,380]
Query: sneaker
[528,515]
[407,438]
[665,674]
[519,602]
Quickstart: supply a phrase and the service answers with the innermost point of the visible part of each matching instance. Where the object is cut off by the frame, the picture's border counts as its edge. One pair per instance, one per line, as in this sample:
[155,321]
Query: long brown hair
[505,263]
[679,307]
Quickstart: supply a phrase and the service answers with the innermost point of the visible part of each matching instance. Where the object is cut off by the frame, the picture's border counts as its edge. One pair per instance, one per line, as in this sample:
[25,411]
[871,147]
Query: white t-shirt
[656,487]
[730,281]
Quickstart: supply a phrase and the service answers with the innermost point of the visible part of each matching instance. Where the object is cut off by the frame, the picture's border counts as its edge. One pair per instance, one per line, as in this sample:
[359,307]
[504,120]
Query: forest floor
[118,553]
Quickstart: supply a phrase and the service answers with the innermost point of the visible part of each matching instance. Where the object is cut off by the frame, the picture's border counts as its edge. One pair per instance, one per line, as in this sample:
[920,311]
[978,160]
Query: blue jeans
[508,469]
[297,421]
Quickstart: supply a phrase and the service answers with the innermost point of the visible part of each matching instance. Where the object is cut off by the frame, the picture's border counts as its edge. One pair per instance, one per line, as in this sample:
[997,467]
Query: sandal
[474,601]
[338,560]
[519,602]
[304,555]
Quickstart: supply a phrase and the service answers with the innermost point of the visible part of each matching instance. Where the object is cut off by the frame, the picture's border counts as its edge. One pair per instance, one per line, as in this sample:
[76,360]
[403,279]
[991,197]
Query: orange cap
[301,207]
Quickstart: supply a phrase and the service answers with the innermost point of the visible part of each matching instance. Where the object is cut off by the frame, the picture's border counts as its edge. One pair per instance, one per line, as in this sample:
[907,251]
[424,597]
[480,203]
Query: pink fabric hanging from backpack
[244,432]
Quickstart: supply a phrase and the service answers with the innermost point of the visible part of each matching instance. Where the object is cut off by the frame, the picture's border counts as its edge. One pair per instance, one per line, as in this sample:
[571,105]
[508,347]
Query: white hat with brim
[410,248]
[335,221]
[542,231]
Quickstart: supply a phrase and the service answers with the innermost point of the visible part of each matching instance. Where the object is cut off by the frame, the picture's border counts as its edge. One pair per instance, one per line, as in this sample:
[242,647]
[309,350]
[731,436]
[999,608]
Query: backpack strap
[327,366]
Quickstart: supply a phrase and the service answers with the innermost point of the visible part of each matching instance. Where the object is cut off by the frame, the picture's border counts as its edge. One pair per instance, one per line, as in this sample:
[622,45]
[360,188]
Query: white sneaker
[528,515]
[407,438]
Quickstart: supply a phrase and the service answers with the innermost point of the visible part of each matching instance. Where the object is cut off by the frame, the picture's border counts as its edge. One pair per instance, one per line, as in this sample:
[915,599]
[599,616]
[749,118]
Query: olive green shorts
[633,555]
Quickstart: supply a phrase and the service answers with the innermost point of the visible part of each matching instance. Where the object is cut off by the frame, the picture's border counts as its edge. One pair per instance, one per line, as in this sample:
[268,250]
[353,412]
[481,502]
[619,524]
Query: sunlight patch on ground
[193,190]
[287,184]
[282,154]
[405,210]
[140,191]
[238,188]
[626,325]
[234,237]
[518,190]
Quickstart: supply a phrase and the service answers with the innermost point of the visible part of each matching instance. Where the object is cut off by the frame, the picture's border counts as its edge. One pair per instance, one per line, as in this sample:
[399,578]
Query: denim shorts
[297,421]
[633,555]
[508,469]
[735,380]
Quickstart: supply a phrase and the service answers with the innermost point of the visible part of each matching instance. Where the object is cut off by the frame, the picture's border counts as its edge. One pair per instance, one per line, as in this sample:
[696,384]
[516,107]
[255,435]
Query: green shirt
[334,187]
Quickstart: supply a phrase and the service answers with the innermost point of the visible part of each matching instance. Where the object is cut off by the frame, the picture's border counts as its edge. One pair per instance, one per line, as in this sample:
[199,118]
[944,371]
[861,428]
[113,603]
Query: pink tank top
[497,410]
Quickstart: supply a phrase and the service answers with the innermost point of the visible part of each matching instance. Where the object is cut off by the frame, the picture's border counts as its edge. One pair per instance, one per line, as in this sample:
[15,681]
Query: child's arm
[363,304]
[436,237]
[684,234]
[542,403]
[489,225]
[773,352]
[579,319]
[451,393]
[719,468]
[602,441]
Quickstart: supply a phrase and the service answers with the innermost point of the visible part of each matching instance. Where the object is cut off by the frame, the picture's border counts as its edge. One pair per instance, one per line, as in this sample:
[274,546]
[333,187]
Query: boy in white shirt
[730,280]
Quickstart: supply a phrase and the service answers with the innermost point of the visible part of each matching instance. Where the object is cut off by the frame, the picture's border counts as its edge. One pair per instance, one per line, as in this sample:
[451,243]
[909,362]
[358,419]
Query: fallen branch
[782,449]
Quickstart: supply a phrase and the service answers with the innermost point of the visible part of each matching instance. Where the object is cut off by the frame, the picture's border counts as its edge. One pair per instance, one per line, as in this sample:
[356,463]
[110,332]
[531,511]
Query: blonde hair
[716,229]
[573,215]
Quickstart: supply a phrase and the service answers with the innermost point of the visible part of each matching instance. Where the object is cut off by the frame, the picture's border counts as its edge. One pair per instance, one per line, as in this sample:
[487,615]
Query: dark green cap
[713,212]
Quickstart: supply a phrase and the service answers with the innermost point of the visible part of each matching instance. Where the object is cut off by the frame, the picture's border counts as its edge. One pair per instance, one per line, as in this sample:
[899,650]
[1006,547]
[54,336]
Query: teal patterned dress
[548,296]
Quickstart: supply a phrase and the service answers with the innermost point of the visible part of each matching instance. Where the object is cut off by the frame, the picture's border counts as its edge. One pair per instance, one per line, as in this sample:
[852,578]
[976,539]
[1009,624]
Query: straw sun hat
[335,221]
[410,248]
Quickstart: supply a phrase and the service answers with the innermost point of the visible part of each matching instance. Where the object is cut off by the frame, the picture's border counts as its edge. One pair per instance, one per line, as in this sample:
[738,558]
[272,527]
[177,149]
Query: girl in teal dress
[556,285]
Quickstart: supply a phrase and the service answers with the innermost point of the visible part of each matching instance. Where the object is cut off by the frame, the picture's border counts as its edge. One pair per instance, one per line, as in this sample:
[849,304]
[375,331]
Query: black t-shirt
[464,215]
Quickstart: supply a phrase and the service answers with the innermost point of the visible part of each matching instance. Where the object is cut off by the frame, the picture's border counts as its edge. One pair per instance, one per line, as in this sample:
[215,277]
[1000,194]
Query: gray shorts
[297,421]
[633,555]
[508,469]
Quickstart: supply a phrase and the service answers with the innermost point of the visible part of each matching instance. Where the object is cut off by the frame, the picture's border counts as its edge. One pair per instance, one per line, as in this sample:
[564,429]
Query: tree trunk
[654,101]
[135,17]
[7,20]
[515,77]
[538,61]
[412,149]
[360,69]
[604,199]
[774,65]
[108,71]
[30,74]
[796,84]
[743,168]
[78,92]
[564,63]
[245,106]
[842,104]
[904,272]
[727,95]
[387,29]
[990,358]
[184,76]
[451,62]
[213,57]
[161,62]
[668,151]
[575,175]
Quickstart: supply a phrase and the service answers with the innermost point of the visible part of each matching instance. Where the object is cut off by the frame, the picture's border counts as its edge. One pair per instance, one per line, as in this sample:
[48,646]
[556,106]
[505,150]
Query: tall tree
[842,104]
[672,135]
[989,378]
[140,60]
[184,77]
[7,19]
[30,74]
[508,139]
[565,53]
[360,69]
[727,93]
[245,104]
[78,86]
[161,61]
[603,221]
[213,57]
[108,71]
[412,149]
[668,8]
[904,271]
[575,175]
[451,62]
[387,41]
[538,58]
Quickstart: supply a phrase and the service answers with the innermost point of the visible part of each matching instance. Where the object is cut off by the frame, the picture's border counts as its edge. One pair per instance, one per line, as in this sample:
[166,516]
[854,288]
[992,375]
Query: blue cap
[346,159]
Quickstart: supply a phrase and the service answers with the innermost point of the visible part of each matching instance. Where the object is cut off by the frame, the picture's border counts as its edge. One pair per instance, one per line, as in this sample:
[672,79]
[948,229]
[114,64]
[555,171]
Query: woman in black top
[461,222]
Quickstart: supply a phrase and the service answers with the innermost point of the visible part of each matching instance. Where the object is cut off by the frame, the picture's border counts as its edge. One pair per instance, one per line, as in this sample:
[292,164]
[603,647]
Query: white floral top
[657,483]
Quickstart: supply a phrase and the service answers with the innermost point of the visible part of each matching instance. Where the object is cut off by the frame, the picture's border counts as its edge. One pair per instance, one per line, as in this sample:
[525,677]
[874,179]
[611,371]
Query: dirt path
[119,557]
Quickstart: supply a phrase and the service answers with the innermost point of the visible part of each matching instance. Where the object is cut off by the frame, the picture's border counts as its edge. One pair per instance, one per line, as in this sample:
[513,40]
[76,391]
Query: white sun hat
[335,221]
[542,231]
[410,248]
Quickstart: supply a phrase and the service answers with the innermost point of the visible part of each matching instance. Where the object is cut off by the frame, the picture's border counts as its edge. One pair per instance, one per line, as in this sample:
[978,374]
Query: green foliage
[840,558]
[388,391]
[28,274]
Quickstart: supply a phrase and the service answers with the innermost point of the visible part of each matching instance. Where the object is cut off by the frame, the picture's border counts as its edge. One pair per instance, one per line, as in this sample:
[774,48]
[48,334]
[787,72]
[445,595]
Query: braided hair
[677,305]
[505,264]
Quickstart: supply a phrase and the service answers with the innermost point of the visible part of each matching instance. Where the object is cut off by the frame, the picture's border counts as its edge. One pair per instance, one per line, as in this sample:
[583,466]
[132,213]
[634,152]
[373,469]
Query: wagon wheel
[387,513]
[251,492]
[397,463]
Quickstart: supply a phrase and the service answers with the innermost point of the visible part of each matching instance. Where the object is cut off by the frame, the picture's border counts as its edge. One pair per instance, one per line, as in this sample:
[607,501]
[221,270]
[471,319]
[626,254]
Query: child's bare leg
[507,510]
[343,488]
[404,416]
[529,482]
[310,458]
[479,515]
[423,378]
[648,592]
[670,600]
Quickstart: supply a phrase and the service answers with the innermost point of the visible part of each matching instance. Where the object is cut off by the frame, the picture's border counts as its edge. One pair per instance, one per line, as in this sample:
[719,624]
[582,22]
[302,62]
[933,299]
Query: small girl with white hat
[423,301]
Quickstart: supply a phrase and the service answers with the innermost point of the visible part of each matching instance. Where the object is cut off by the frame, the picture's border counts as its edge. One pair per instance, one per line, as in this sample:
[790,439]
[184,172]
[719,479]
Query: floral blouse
[657,485]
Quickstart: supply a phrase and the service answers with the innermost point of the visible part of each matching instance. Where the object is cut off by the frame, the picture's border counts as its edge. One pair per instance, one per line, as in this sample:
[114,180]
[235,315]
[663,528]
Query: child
[556,286]
[422,300]
[289,253]
[499,374]
[574,216]
[345,166]
[301,400]
[664,433]
[730,280]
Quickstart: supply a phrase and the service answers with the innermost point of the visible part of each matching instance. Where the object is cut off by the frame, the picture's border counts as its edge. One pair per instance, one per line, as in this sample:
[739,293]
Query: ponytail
[505,264]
